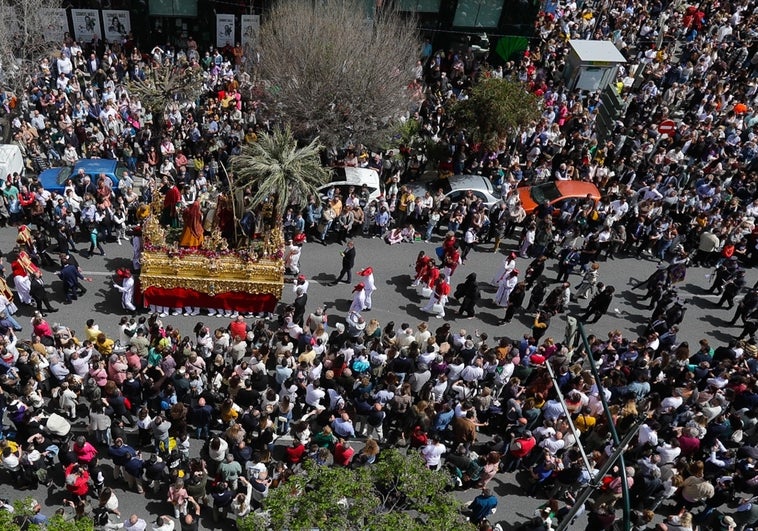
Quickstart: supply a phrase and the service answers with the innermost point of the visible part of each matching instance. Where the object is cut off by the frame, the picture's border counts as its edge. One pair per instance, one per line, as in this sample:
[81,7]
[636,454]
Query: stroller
[58,429]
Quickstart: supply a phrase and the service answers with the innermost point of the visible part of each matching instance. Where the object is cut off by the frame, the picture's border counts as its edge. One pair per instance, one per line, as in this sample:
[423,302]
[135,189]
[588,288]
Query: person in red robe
[192,235]
[422,263]
[21,277]
[170,214]
[449,244]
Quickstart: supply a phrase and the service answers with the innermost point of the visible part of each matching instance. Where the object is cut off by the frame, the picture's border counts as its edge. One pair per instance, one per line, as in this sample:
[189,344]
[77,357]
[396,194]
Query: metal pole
[568,417]
[232,199]
[587,491]
[611,427]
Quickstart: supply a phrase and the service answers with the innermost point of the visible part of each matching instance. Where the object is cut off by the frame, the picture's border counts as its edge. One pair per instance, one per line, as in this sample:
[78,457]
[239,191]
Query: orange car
[555,192]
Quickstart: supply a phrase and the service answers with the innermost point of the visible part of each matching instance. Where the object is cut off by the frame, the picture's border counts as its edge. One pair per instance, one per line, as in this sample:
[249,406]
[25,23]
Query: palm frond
[275,167]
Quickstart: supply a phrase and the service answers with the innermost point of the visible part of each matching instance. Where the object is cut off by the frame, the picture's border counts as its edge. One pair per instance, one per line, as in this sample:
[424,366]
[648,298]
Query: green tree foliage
[275,166]
[59,523]
[23,508]
[397,493]
[494,109]
[334,74]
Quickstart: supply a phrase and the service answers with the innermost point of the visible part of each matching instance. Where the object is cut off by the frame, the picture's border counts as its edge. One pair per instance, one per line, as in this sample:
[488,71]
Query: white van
[11,160]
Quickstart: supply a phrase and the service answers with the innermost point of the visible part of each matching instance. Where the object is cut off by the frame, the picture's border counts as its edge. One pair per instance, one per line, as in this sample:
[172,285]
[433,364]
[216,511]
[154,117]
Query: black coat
[37,289]
[516,298]
[601,302]
[468,293]
[348,258]
[535,270]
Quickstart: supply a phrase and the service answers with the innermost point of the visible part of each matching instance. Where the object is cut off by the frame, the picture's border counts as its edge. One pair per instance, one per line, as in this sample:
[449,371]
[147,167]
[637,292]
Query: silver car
[457,186]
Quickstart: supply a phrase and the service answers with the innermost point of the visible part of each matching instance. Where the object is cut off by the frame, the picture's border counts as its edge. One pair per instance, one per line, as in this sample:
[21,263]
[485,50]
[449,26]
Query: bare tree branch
[333,73]
[23,41]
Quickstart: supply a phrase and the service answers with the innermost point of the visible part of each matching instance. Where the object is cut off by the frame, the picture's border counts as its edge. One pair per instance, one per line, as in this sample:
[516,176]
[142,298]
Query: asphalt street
[395,300]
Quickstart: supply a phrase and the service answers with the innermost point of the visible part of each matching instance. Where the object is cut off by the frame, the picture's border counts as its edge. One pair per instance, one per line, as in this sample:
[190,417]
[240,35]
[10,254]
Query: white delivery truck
[11,160]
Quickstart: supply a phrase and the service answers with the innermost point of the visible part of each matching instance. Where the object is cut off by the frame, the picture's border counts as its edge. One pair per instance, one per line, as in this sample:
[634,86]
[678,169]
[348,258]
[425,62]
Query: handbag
[11,308]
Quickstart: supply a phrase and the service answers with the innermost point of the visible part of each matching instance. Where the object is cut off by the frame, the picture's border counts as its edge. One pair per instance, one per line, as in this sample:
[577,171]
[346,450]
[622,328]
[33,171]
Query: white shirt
[543,432]
[313,395]
[647,435]
[359,302]
[672,402]
[472,373]
[454,372]
[168,526]
[422,337]
[553,445]
[432,453]
[668,453]
[64,65]
[302,285]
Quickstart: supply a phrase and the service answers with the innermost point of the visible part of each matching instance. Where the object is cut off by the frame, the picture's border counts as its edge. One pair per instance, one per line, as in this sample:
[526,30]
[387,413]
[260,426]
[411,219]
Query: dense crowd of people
[340,394]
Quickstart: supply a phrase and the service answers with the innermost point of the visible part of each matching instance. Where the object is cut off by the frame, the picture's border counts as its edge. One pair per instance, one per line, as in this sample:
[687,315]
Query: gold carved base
[213,269]
[211,275]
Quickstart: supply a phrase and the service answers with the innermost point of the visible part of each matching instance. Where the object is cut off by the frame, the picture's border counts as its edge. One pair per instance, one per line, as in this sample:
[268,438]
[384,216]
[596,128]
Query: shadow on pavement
[720,327]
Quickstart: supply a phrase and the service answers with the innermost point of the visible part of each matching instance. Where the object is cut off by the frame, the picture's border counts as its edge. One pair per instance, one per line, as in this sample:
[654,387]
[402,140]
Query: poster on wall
[117,24]
[86,24]
[251,30]
[224,30]
[56,24]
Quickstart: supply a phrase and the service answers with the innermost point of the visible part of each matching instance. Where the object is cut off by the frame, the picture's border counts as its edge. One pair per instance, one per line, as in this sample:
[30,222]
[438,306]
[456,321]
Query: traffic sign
[667,127]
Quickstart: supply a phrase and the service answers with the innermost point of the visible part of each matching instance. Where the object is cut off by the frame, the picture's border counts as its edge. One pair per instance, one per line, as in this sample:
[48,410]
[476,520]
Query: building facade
[444,21]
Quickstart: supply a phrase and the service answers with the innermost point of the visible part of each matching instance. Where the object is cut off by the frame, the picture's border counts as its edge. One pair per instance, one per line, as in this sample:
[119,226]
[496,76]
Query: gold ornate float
[213,270]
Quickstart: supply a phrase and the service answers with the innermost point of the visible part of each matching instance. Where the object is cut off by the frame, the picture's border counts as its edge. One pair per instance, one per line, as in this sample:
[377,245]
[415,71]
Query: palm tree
[275,167]
[163,85]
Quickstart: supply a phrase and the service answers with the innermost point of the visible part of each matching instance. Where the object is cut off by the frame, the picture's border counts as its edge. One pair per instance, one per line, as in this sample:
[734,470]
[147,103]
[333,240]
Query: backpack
[100,516]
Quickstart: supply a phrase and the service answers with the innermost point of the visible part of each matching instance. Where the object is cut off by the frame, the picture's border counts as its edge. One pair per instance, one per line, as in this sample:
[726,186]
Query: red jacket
[238,329]
[78,484]
[26,199]
[18,269]
[522,446]
[295,454]
[343,454]
[442,288]
[430,275]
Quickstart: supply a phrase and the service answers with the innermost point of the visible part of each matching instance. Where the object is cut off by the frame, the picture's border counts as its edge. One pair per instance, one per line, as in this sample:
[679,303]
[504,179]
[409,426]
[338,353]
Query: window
[173,8]
[418,6]
[456,196]
[478,13]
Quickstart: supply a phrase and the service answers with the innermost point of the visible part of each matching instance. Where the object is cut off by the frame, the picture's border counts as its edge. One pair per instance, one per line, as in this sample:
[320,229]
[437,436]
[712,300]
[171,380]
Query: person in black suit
[93,64]
[39,293]
[348,261]
[70,276]
[70,259]
[599,305]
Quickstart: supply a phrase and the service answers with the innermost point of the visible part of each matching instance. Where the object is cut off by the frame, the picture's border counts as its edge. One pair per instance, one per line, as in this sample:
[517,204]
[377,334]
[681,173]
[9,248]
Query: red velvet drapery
[181,298]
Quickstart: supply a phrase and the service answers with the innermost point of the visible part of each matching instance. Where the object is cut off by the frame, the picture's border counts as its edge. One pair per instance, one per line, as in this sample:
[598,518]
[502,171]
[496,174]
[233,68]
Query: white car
[343,178]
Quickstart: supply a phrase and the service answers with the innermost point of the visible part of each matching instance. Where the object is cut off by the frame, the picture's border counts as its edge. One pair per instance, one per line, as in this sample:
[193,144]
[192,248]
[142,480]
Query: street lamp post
[620,445]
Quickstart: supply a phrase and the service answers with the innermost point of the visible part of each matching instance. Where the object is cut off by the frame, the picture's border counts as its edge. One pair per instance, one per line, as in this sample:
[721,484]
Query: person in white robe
[505,286]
